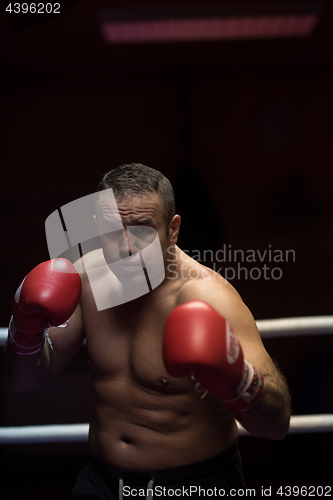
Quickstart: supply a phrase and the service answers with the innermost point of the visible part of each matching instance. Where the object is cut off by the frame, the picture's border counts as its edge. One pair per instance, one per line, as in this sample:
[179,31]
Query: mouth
[130,268]
[126,267]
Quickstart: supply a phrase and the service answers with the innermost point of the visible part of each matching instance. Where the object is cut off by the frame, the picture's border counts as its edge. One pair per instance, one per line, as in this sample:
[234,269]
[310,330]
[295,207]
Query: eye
[110,227]
[110,234]
[141,231]
[110,224]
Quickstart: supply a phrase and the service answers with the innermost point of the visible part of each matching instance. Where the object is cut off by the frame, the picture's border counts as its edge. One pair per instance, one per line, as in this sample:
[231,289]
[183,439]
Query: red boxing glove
[198,339]
[47,296]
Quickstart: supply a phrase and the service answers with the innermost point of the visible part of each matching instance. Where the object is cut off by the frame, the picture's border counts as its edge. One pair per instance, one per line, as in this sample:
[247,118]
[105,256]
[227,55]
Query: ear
[174,229]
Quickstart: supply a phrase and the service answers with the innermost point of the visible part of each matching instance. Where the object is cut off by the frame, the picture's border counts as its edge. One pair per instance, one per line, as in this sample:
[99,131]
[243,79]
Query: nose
[124,244]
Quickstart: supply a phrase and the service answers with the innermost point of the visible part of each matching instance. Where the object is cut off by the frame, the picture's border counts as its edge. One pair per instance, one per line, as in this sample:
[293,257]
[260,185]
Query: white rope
[283,327]
[288,327]
[71,433]
[68,433]
[311,423]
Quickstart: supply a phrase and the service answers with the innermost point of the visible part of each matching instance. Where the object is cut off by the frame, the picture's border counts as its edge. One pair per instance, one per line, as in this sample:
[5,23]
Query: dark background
[243,129]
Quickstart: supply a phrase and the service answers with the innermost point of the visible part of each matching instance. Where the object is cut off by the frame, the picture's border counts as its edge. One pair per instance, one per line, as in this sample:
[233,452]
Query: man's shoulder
[205,286]
[222,296]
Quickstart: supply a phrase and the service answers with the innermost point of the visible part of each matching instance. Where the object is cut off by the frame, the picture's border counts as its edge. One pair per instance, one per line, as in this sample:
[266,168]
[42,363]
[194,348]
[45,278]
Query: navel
[126,440]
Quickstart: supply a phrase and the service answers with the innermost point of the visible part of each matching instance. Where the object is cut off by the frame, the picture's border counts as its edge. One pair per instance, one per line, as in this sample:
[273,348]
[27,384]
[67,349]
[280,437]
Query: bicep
[66,341]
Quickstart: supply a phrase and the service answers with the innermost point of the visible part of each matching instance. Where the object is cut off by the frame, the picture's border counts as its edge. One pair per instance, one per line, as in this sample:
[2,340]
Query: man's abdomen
[136,428]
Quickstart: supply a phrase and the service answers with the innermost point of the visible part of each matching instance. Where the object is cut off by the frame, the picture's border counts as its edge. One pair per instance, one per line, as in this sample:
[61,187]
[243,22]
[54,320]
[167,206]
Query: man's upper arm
[225,300]
[66,341]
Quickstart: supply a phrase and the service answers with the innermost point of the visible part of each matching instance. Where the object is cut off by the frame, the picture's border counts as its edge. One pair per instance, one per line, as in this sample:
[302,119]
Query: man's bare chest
[126,343]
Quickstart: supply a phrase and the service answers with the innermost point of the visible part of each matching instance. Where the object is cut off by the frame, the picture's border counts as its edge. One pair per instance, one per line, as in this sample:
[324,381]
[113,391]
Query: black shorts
[217,477]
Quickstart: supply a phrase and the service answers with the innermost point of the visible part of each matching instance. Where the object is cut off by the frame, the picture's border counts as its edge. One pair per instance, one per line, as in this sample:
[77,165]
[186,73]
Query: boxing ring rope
[289,327]
[272,328]
[78,433]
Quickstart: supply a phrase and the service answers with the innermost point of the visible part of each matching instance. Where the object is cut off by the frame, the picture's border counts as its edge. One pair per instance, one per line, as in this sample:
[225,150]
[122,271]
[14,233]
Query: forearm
[270,416]
[27,372]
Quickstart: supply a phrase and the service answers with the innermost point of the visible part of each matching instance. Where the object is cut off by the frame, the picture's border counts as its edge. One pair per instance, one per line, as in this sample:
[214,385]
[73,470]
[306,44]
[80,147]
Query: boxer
[171,370]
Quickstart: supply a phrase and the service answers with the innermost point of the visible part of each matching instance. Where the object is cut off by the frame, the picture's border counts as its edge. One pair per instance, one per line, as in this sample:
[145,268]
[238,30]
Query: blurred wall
[261,149]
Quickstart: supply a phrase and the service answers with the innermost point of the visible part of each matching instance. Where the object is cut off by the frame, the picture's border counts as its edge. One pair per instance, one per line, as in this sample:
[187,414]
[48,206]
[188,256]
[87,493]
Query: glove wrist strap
[25,344]
[249,390]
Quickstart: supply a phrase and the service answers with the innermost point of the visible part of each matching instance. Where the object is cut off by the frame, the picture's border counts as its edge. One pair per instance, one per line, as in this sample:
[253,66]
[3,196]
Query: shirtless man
[150,423]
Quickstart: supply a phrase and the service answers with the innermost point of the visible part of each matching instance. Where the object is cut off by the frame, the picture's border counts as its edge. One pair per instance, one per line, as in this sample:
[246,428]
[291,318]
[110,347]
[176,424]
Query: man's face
[129,227]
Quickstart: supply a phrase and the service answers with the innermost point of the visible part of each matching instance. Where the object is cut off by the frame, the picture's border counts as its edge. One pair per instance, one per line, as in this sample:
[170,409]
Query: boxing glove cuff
[26,344]
[249,390]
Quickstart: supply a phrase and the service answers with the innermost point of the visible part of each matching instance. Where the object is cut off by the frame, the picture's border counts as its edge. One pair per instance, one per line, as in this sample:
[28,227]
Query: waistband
[171,475]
